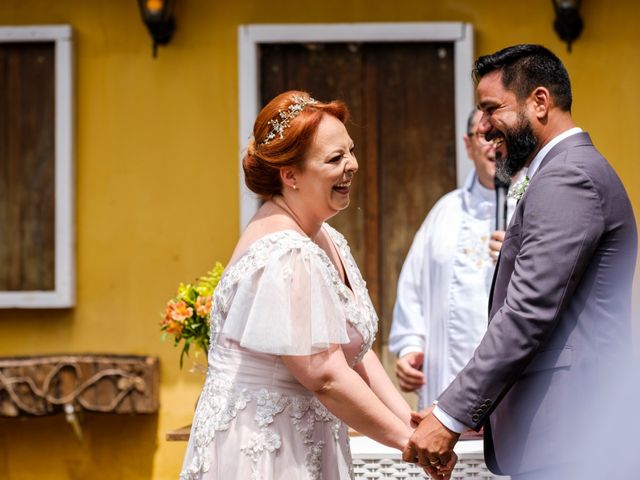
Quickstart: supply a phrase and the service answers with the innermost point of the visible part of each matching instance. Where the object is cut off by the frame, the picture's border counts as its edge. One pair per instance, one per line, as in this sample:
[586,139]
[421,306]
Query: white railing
[371,460]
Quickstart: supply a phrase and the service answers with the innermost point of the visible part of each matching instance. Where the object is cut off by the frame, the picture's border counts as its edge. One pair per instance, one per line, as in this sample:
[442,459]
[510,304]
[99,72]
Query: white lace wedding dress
[254,420]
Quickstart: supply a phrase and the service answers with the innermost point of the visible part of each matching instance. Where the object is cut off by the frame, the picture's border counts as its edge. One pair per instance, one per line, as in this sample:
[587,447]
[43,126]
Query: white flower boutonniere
[517,190]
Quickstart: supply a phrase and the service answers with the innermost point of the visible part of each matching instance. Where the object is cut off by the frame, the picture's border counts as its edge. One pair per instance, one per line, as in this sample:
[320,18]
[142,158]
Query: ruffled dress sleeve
[289,305]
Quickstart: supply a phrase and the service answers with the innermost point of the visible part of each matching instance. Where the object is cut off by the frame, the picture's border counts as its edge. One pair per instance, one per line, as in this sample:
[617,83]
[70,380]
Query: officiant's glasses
[480,136]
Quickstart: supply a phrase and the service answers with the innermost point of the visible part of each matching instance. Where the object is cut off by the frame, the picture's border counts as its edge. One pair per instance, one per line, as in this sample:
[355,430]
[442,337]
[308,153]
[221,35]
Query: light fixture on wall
[158,17]
[568,23]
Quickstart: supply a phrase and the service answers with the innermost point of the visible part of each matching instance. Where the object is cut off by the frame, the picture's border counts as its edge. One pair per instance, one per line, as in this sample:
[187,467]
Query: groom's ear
[541,101]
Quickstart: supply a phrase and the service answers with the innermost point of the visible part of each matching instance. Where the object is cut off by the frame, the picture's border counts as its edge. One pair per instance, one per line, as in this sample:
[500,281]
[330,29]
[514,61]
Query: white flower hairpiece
[281,122]
[517,190]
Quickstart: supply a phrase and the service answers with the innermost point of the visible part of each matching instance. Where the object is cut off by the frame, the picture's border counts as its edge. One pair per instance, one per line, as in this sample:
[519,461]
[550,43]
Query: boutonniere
[517,190]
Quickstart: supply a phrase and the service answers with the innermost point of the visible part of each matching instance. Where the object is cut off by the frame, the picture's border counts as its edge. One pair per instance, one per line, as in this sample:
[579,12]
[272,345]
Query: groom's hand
[442,472]
[431,446]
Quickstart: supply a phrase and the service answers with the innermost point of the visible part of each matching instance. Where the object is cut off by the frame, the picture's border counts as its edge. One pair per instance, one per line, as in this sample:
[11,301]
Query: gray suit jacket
[559,313]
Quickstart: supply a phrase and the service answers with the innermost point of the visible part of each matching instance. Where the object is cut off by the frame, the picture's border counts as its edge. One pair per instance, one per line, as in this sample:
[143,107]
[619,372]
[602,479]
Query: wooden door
[401,99]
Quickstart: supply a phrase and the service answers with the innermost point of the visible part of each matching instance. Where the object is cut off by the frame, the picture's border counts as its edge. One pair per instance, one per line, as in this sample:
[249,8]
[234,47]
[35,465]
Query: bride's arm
[374,374]
[345,394]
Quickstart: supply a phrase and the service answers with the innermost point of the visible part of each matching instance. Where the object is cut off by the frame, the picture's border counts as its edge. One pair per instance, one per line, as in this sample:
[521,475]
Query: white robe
[443,289]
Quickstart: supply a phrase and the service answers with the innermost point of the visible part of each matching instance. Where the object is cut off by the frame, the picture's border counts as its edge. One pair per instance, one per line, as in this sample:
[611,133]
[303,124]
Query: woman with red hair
[292,324]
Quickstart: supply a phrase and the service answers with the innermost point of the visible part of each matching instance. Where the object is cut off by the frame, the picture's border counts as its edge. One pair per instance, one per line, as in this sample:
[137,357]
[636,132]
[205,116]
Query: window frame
[63,293]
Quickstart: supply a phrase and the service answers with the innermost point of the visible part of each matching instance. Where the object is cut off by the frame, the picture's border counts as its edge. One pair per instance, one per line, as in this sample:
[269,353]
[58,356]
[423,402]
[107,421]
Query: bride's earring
[288,178]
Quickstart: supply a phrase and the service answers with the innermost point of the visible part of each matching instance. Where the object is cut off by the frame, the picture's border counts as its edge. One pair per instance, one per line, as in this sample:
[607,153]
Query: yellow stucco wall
[156,163]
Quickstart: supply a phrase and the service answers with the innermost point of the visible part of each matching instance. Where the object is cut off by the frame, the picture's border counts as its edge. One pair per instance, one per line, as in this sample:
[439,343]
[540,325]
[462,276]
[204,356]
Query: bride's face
[324,182]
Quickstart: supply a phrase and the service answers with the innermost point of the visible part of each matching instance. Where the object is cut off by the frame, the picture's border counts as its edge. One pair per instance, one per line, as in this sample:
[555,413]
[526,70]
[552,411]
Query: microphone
[502,188]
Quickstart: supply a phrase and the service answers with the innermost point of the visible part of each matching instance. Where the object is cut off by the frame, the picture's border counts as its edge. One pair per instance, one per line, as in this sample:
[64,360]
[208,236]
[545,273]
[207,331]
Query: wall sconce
[158,17]
[568,23]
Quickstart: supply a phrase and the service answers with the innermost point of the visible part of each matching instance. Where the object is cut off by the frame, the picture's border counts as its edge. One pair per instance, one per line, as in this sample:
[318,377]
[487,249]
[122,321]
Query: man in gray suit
[559,307]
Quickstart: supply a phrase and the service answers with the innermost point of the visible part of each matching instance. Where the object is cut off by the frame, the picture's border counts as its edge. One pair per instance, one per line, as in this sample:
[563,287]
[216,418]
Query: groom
[559,307]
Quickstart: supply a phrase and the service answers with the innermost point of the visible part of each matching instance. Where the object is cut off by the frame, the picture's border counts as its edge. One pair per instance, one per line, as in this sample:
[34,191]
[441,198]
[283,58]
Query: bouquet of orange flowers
[186,316]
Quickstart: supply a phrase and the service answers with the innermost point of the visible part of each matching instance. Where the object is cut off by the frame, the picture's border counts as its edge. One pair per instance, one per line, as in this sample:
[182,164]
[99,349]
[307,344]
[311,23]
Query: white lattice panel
[374,461]
[469,467]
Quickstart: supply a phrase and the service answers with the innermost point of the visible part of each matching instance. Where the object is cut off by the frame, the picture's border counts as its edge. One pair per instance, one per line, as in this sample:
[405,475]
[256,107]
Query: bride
[292,324]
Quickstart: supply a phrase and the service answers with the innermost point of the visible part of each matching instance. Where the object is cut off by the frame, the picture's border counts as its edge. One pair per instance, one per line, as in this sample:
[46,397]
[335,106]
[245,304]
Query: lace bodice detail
[357,306]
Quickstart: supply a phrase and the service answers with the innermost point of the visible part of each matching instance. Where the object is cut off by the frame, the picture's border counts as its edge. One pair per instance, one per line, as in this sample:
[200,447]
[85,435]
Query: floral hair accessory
[281,122]
[517,190]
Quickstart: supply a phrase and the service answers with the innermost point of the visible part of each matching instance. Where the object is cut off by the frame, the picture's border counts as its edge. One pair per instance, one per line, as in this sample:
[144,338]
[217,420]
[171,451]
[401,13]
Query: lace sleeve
[288,307]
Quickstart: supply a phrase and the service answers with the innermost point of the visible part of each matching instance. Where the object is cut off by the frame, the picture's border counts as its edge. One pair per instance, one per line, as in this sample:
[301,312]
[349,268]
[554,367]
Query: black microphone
[502,188]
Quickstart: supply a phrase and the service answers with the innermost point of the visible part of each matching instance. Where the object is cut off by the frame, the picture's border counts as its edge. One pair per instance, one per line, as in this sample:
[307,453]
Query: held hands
[495,244]
[431,446]
[409,373]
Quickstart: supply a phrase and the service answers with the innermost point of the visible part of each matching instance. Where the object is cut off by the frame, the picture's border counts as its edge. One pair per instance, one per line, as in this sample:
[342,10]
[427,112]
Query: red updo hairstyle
[262,161]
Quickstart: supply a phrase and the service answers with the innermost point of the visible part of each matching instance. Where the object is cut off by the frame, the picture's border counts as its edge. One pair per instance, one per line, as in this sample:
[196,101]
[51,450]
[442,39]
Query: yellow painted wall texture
[157,184]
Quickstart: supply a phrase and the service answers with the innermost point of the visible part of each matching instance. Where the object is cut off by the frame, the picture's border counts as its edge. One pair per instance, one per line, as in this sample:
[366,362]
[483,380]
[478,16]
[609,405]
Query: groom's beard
[521,143]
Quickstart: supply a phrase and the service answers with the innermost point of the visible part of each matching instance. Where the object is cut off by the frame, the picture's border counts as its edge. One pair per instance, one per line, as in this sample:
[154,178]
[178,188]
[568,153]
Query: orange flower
[203,306]
[173,327]
[179,311]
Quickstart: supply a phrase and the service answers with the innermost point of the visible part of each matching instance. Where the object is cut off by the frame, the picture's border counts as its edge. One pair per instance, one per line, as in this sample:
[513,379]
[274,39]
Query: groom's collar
[537,160]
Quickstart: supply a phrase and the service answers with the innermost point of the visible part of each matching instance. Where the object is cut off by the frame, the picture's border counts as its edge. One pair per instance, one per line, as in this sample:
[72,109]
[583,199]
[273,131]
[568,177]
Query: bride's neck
[308,226]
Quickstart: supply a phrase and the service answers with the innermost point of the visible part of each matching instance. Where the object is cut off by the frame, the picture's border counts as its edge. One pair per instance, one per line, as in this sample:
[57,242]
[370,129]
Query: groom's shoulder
[583,167]
[583,159]
[597,168]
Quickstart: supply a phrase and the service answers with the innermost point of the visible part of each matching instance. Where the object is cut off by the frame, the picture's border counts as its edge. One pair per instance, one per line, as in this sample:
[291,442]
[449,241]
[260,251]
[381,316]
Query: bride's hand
[416,417]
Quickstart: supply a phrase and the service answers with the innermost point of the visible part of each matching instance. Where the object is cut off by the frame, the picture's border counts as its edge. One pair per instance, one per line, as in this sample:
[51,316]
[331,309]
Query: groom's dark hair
[525,67]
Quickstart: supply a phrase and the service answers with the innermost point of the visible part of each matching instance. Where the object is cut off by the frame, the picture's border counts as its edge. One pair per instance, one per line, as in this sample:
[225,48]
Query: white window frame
[250,37]
[63,294]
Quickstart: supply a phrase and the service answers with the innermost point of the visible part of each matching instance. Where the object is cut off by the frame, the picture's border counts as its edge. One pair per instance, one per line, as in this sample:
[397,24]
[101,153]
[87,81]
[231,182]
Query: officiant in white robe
[441,305]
